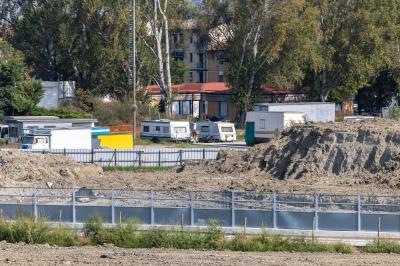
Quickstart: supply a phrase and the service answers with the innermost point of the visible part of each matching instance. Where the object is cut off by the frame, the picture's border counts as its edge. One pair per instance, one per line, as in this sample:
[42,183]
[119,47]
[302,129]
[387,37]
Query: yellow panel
[120,141]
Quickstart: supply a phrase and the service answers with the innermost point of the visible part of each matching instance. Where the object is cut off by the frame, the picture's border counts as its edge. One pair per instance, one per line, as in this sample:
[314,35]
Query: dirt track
[20,254]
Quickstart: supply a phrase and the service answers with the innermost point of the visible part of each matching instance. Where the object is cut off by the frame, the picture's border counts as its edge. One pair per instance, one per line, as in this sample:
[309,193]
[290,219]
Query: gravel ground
[20,254]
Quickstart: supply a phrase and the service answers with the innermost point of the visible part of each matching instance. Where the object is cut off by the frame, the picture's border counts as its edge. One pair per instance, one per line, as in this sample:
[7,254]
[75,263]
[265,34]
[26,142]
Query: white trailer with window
[313,111]
[58,138]
[215,131]
[157,130]
[263,126]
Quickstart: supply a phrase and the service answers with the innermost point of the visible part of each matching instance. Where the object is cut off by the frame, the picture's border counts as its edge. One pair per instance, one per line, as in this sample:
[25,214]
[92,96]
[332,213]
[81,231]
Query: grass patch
[138,169]
[383,246]
[31,231]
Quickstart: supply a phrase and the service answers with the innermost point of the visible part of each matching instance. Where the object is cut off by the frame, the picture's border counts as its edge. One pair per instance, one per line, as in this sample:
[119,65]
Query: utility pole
[132,63]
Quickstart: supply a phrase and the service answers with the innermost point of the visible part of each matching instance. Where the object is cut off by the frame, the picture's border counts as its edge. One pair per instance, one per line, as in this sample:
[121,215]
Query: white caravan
[262,126]
[58,138]
[157,130]
[215,131]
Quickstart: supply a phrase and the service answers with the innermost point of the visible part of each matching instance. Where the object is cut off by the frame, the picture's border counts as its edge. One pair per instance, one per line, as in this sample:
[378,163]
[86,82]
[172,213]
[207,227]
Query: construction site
[328,158]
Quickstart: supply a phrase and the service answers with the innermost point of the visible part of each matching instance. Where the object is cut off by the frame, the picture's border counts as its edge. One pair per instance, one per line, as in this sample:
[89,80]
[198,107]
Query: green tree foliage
[19,94]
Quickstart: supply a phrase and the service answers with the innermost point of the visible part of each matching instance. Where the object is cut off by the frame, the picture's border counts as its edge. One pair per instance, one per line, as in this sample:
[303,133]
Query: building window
[201,77]
[146,129]
[223,109]
[191,57]
[191,76]
[262,123]
[221,76]
[158,128]
[13,132]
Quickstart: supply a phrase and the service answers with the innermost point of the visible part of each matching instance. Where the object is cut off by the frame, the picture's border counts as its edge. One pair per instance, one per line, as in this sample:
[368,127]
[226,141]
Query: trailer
[263,126]
[215,131]
[58,138]
[313,111]
[157,130]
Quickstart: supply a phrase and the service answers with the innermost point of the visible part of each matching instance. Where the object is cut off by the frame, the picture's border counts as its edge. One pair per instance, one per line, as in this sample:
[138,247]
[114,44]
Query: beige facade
[203,64]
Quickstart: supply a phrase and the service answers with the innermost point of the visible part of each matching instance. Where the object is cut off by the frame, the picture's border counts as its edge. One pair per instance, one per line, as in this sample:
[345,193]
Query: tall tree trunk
[168,81]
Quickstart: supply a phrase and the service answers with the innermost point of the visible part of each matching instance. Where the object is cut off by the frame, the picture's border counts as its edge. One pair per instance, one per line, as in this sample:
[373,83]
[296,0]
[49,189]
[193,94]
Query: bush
[60,112]
[62,237]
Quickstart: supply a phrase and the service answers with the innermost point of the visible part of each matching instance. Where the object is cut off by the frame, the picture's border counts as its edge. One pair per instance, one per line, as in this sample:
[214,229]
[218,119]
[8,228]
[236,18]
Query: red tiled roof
[219,87]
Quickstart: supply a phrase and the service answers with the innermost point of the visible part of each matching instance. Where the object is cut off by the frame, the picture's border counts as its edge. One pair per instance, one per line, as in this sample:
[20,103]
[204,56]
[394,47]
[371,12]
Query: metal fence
[137,157]
[230,209]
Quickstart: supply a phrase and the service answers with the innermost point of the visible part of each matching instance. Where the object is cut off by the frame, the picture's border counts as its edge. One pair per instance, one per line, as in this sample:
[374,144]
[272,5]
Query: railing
[140,158]
[230,209]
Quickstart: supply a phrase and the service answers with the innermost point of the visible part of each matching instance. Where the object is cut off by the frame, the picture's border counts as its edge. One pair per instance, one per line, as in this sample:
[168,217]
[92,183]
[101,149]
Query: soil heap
[19,168]
[366,152]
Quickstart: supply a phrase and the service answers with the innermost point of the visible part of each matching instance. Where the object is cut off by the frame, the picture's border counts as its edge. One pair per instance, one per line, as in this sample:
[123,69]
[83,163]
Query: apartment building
[204,63]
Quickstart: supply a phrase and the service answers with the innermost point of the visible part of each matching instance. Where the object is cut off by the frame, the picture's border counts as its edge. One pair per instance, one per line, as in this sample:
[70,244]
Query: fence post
[112,207]
[180,157]
[152,208]
[92,156]
[359,213]
[191,208]
[274,210]
[316,203]
[35,210]
[159,158]
[65,152]
[233,208]
[73,207]
[204,154]
[140,158]
[115,157]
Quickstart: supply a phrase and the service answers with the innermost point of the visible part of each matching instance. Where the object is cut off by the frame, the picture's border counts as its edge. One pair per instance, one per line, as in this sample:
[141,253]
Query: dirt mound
[366,152]
[19,168]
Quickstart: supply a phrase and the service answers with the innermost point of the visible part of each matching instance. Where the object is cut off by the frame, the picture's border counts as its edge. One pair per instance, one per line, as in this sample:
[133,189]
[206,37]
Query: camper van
[215,131]
[263,126]
[157,130]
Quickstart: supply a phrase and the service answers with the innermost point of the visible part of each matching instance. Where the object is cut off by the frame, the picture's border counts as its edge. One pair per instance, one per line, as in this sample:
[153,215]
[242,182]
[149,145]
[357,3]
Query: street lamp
[132,63]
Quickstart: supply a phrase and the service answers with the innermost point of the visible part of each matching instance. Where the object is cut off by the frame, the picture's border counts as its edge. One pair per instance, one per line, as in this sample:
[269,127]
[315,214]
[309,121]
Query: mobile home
[313,111]
[215,131]
[58,138]
[157,130]
[263,126]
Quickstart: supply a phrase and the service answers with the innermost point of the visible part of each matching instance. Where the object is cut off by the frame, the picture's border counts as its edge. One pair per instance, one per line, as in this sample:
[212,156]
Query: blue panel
[255,218]
[83,213]
[294,220]
[52,212]
[337,221]
[389,222]
[171,216]
[202,216]
[142,214]
[15,210]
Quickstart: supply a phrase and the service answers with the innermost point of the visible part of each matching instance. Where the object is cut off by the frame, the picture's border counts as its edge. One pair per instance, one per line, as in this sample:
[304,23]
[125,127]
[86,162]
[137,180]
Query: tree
[19,94]
[263,41]
[351,46]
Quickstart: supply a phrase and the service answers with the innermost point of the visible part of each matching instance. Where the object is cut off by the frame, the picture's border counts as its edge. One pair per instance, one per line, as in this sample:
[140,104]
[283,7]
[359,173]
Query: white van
[157,130]
[215,131]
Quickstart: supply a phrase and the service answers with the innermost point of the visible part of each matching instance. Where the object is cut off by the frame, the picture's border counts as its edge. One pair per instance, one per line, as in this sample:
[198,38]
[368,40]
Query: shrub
[62,237]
